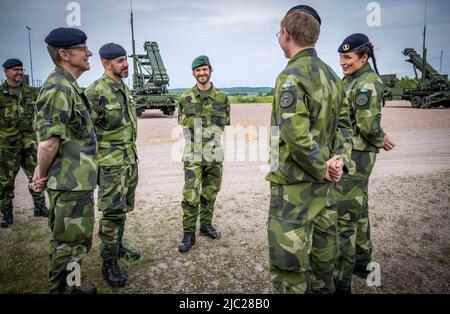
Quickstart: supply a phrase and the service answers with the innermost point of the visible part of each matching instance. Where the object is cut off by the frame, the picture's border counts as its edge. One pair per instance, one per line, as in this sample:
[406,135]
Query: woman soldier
[364,90]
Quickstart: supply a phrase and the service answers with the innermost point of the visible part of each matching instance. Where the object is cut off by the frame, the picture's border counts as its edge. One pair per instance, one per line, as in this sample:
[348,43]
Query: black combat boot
[7,219]
[41,211]
[343,289]
[208,231]
[90,290]
[187,242]
[361,271]
[113,274]
[128,254]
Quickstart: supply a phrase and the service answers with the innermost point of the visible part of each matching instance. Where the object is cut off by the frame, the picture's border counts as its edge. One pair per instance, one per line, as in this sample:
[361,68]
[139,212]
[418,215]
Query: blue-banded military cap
[111,51]
[65,37]
[11,63]
[353,42]
[307,9]
[199,61]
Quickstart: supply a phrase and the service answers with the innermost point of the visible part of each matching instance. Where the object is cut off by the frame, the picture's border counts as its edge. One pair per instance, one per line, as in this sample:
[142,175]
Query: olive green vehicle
[150,80]
[432,88]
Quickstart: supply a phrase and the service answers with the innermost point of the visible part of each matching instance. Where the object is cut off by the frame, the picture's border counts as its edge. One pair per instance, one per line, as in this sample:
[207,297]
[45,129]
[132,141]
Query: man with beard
[204,111]
[114,118]
[67,159]
[17,139]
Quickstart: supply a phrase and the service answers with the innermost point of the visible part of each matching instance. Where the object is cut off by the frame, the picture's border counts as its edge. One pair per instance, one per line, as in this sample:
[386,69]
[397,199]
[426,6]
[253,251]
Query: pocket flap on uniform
[4,103]
[189,108]
[220,114]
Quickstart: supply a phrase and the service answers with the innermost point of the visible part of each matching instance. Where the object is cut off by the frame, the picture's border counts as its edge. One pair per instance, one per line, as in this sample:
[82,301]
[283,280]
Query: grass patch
[250,99]
[410,236]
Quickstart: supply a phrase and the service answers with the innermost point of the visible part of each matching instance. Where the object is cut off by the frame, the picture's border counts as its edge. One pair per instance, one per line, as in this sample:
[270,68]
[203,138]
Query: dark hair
[368,49]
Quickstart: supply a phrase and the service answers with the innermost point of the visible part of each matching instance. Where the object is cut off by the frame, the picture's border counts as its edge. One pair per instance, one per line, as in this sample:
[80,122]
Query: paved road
[160,170]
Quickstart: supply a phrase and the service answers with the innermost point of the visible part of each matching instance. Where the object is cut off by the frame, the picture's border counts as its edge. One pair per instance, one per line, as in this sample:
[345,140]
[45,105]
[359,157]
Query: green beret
[199,61]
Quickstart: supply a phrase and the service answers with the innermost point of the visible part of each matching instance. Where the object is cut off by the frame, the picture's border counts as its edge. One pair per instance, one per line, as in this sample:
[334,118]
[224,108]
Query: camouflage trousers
[363,245]
[201,186]
[71,220]
[11,159]
[116,193]
[352,195]
[302,236]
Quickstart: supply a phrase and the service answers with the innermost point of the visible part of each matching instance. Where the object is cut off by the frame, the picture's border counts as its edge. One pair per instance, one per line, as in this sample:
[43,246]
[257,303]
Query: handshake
[334,169]
[37,184]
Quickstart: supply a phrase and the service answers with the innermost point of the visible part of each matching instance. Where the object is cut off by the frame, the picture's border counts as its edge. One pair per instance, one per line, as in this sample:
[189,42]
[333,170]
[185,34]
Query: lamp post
[440,62]
[31,58]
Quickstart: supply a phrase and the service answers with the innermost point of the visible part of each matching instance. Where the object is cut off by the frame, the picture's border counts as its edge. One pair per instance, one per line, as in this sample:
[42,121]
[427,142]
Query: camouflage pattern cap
[199,61]
[11,63]
[353,42]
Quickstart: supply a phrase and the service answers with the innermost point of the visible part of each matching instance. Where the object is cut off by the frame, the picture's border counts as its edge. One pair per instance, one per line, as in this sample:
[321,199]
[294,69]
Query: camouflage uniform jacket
[63,111]
[364,91]
[17,117]
[211,114]
[114,118]
[306,112]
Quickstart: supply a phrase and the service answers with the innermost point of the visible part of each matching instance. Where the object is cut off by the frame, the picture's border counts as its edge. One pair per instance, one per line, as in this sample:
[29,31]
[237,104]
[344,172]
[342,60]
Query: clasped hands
[334,169]
[37,184]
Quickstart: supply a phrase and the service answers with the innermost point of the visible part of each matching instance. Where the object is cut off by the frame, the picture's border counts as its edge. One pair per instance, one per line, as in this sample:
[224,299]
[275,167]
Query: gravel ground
[409,211]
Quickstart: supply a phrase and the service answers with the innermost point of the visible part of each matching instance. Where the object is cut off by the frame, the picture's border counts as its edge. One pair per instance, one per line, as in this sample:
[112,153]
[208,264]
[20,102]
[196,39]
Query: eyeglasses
[278,34]
[85,48]
[16,69]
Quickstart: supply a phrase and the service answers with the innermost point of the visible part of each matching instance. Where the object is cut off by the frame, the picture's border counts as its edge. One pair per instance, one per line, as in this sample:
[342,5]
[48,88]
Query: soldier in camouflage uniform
[305,138]
[114,118]
[17,139]
[67,159]
[364,91]
[204,111]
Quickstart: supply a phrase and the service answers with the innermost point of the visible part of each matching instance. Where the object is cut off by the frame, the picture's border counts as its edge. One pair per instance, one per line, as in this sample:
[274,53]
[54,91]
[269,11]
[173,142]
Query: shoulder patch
[287,98]
[362,98]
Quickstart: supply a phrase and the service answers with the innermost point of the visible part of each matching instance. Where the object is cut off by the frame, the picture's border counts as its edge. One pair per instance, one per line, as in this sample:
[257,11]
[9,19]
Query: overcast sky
[238,36]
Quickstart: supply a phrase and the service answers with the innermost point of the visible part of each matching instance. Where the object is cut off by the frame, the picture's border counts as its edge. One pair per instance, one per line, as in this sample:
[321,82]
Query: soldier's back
[308,97]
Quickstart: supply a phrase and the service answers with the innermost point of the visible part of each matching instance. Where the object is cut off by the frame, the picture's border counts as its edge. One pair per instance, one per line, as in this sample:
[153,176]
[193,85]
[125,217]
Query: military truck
[150,79]
[432,89]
